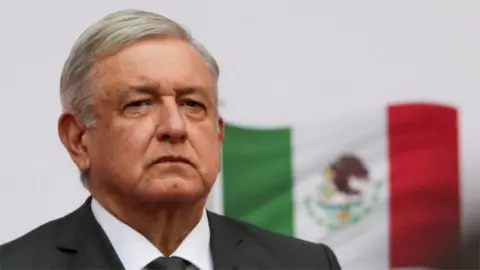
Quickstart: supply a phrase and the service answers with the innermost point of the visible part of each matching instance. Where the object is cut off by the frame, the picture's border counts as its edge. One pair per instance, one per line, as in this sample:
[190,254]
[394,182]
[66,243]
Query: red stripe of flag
[424,183]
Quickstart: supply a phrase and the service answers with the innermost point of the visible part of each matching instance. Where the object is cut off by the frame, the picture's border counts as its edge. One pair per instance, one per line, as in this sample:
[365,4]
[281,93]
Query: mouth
[172,159]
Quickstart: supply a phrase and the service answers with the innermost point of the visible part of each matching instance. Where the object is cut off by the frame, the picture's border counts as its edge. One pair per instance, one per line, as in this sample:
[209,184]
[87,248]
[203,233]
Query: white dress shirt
[135,251]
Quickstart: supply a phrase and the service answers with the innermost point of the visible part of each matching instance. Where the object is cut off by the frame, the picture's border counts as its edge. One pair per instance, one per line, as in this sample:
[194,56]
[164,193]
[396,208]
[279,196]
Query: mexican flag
[380,187]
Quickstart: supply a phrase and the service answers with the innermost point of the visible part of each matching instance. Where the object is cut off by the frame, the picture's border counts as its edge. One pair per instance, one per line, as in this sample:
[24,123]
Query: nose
[172,126]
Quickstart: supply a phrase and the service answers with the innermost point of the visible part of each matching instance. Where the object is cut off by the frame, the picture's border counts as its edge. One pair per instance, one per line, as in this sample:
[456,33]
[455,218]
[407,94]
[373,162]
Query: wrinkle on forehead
[159,59]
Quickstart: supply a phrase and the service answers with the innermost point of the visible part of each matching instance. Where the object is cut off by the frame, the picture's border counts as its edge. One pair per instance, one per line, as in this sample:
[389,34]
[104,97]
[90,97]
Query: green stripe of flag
[257,177]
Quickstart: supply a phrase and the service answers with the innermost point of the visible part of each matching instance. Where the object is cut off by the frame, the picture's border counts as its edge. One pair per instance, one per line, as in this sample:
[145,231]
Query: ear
[221,129]
[74,137]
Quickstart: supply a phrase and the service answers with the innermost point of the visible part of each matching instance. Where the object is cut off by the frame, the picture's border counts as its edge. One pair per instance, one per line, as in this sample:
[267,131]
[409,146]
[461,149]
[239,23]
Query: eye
[192,103]
[139,103]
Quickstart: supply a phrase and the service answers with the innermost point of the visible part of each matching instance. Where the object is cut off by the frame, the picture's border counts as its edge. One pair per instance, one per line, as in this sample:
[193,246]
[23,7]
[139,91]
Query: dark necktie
[164,263]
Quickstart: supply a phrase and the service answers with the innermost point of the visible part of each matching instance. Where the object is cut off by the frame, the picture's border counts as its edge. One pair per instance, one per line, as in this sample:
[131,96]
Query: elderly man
[140,121]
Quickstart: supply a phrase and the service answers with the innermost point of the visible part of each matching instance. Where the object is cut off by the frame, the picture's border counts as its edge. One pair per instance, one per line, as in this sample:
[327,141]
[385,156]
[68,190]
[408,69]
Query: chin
[174,189]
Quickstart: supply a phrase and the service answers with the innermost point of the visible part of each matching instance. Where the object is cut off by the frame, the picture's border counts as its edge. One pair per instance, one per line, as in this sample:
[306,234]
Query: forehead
[172,63]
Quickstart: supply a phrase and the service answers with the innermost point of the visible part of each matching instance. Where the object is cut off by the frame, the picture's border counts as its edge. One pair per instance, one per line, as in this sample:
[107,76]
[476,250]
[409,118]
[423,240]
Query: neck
[165,225]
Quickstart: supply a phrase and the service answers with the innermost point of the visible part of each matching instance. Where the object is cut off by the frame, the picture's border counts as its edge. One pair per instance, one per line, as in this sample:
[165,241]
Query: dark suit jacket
[77,241]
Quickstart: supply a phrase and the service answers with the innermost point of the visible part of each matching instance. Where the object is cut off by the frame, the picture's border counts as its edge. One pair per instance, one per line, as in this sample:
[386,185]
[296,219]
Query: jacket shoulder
[287,246]
[33,246]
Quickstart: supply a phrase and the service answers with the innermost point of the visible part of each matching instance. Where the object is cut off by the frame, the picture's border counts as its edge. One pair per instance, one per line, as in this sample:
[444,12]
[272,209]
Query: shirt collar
[135,251]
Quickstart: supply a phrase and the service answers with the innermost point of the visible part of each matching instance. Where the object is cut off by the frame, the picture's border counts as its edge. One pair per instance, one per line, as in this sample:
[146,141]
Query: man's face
[157,135]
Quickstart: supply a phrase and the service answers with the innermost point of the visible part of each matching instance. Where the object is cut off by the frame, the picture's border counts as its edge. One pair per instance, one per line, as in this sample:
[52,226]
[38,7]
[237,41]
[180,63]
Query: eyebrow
[142,89]
[196,90]
[152,89]
[191,90]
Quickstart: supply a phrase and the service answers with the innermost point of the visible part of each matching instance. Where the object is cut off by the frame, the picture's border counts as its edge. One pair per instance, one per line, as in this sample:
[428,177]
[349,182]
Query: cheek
[135,140]
[129,141]
[206,146]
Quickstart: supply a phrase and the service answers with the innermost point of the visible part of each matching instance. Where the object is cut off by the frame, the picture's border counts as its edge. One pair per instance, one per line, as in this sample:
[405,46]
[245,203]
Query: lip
[173,159]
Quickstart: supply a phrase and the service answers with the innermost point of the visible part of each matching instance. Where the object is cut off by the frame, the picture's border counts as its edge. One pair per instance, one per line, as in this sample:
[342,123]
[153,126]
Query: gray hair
[106,37]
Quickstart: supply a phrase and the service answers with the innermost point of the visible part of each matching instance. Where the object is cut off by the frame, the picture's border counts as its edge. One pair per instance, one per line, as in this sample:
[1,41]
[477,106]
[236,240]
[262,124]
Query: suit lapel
[234,248]
[84,244]
[223,244]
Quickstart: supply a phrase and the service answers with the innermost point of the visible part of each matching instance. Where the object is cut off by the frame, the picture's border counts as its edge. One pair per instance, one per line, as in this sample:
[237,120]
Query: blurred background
[350,123]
